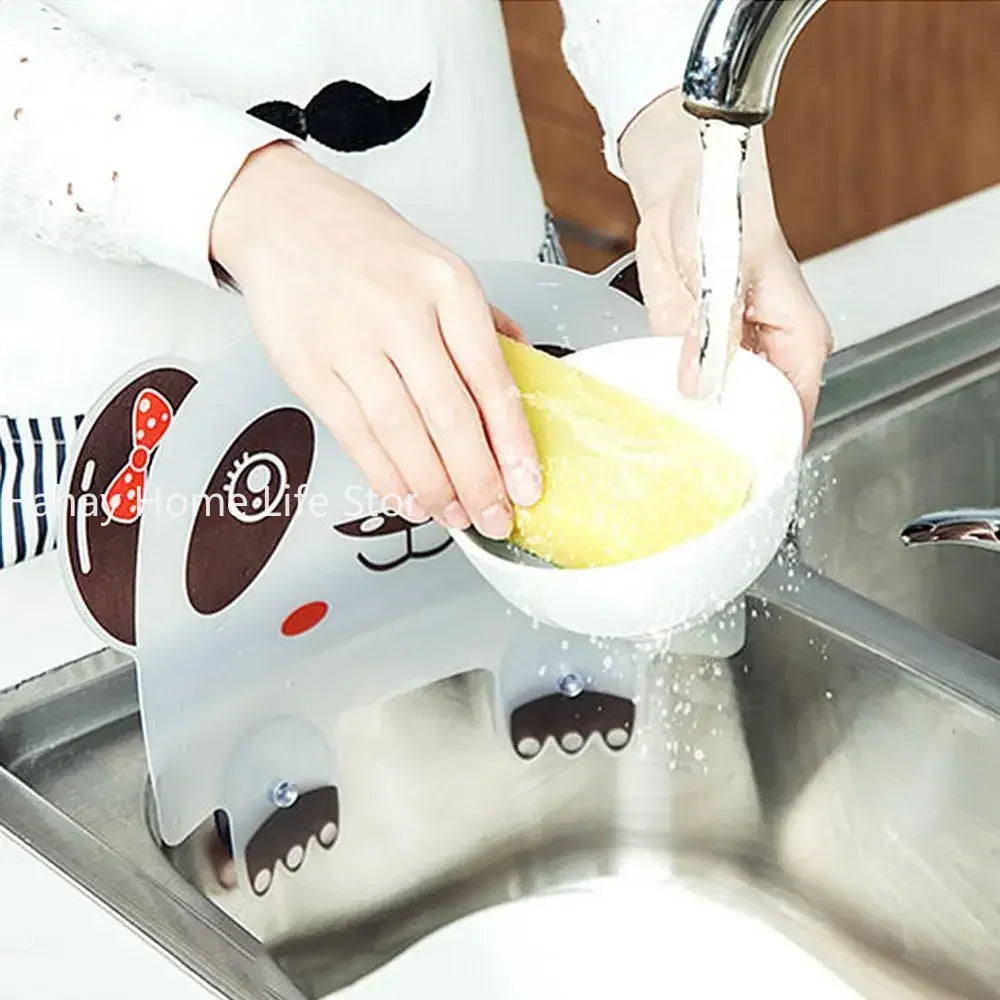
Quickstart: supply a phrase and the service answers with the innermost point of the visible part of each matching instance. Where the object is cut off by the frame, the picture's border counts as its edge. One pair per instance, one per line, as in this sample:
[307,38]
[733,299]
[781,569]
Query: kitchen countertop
[57,943]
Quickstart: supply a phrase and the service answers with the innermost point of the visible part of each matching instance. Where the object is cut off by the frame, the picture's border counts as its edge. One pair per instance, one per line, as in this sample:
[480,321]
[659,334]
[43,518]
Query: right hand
[778,317]
[385,335]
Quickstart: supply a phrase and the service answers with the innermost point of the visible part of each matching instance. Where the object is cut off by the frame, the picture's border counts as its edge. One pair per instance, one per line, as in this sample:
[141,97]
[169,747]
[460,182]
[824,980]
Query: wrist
[246,211]
[662,157]
[660,149]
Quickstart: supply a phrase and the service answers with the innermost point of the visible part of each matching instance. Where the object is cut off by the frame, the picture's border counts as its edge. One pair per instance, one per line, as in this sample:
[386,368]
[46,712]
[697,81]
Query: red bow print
[151,417]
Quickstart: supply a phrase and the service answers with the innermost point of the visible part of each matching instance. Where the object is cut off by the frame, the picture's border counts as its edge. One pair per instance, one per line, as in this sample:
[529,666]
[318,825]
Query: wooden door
[886,108]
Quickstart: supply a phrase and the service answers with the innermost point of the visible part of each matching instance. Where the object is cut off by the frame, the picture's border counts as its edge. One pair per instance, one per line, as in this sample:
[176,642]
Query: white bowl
[760,414]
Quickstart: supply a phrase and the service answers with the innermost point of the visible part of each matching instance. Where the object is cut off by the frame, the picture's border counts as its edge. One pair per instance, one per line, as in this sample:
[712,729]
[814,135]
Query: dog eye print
[347,116]
[248,506]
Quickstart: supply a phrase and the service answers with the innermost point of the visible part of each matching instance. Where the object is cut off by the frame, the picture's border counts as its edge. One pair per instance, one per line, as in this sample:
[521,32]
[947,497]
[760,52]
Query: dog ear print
[284,115]
[627,280]
[556,350]
[103,495]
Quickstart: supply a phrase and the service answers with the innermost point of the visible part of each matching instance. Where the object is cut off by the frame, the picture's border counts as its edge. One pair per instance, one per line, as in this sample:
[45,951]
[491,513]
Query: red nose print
[304,618]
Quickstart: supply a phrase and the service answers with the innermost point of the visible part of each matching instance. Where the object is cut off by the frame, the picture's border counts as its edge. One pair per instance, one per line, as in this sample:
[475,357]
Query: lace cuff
[626,53]
[98,154]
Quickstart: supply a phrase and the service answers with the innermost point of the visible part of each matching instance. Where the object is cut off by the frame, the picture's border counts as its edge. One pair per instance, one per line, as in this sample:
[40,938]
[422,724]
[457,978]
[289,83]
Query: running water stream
[720,242]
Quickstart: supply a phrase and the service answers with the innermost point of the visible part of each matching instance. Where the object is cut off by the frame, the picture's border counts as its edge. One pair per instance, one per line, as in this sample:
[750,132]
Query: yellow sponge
[621,479]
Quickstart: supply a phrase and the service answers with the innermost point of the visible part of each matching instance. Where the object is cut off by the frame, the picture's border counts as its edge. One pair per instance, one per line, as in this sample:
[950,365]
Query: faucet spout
[737,57]
[976,527]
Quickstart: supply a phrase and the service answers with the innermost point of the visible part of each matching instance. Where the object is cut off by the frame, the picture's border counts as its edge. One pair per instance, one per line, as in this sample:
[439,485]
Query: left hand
[661,154]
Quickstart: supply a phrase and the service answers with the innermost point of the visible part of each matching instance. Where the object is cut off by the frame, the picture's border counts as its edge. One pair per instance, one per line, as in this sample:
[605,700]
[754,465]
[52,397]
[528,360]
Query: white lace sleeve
[626,53]
[99,154]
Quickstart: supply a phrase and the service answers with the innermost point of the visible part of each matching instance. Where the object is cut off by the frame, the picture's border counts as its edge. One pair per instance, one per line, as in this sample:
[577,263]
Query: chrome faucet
[737,57]
[977,527]
[732,75]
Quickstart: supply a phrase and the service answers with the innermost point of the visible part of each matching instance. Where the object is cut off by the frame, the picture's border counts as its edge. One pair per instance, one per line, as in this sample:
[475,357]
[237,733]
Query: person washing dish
[337,163]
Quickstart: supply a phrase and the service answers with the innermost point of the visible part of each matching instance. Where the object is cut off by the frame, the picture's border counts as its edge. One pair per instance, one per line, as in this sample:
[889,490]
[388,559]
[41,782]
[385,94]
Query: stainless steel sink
[830,780]
[911,423]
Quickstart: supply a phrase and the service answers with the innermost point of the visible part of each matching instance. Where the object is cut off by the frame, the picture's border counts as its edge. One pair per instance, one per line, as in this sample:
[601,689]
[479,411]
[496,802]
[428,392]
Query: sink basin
[911,424]
[822,792]
[823,782]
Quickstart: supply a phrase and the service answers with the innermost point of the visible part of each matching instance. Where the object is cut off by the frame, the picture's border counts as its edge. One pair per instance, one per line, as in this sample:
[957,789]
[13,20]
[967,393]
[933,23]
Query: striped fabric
[33,455]
[552,251]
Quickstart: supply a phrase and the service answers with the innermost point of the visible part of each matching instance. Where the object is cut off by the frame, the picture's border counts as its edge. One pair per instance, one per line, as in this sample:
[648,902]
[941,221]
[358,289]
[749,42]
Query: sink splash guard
[215,532]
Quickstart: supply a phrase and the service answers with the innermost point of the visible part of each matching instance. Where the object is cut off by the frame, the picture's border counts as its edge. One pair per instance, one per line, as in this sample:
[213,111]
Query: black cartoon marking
[225,834]
[284,115]
[556,350]
[571,721]
[285,836]
[103,554]
[627,281]
[246,509]
[347,116]
[381,525]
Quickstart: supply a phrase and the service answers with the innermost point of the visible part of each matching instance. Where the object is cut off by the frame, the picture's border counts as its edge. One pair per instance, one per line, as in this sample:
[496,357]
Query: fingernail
[455,516]
[524,482]
[497,521]
[412,511]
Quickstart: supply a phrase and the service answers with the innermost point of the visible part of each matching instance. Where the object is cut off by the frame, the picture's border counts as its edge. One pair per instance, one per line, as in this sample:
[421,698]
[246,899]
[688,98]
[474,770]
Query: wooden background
[886,108]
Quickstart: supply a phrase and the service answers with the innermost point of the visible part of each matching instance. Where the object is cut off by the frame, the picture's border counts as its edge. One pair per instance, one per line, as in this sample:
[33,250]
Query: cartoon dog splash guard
[212,530]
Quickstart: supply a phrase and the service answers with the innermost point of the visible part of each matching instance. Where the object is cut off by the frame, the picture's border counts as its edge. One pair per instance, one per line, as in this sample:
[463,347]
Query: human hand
[778,317]
[385,335]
